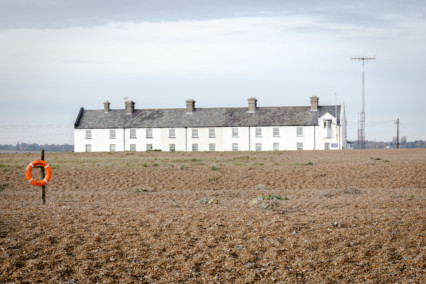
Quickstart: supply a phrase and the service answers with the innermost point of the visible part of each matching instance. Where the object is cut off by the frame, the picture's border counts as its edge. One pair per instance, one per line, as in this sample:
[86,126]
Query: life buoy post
[46,174]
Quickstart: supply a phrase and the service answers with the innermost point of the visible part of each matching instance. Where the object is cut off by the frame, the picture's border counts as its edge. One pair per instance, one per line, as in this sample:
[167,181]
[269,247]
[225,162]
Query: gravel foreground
[285,217]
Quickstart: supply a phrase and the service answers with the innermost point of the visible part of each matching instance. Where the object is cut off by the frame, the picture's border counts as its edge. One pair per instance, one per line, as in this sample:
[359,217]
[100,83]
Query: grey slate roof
[202,117]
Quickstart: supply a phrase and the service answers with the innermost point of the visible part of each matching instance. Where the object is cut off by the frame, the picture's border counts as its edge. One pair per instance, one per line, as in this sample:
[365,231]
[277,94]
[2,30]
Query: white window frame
[132,133]
[258,132]
[149,133]
[234,132]
[172,133]
[258,146]
[212,133]
[194,147]
[112,134]
[234,146]
[149,147]
[88,134]
[276,132]
[327,123]
[212,147]
[299,131]
[112,147]
[299,146]
[88,148]
[194,132]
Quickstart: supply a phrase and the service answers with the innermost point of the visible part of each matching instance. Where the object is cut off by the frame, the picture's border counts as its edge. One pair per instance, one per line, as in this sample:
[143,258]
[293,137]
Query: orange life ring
[35,164]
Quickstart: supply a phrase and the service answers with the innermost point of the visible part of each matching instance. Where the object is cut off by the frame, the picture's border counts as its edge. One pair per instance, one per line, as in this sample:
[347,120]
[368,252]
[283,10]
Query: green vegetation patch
[269,202]
[305,164]
[141,189]
[271,196]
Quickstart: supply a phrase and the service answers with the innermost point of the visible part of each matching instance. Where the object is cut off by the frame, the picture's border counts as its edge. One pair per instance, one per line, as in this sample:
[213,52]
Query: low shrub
[3,186]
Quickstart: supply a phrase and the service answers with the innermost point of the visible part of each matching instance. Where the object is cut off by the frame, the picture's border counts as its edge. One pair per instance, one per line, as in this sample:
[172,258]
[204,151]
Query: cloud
[62,57]
[59,14]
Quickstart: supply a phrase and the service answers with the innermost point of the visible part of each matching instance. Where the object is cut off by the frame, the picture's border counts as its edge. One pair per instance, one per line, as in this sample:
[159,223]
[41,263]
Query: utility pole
[397,133]
[361,122]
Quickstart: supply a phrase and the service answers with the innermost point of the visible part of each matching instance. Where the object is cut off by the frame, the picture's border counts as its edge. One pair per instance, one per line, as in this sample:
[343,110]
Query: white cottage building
[249,128]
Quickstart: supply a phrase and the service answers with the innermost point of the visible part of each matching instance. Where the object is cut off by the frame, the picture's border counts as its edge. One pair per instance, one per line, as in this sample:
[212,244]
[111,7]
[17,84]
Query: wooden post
[43,189]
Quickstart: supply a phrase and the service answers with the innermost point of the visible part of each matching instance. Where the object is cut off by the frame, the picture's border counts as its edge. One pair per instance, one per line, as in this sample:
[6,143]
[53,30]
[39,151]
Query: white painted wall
[312,138]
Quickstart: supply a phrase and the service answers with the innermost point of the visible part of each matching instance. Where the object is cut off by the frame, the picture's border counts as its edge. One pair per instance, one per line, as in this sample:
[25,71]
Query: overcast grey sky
[57,56]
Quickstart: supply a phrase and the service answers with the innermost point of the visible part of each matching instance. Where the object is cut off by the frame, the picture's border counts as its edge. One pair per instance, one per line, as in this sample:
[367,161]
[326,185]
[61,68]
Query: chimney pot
[252,105]
[314,103]
[190,106]
[130,107]
[106,106]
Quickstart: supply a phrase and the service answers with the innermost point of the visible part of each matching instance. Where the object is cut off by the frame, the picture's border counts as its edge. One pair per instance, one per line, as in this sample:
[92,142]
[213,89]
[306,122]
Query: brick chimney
[106,106]
[314,103]
[190,106]
[252,105]
[130,107]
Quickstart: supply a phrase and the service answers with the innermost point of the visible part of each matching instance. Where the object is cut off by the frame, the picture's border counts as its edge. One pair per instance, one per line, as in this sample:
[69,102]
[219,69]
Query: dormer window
[327,123]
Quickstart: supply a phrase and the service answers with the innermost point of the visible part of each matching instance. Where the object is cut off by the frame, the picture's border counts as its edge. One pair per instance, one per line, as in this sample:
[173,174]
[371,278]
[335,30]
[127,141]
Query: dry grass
[137,217]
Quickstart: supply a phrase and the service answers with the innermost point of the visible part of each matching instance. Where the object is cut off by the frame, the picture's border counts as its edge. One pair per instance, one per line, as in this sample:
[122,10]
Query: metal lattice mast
[361,119]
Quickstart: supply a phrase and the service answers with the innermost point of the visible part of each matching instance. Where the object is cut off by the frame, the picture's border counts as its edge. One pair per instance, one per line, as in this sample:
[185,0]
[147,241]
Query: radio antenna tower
[361,118]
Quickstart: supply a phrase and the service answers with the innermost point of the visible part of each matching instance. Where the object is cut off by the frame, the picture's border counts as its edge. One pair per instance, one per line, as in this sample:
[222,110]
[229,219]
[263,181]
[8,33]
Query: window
[299,146]
[112,134]
[300,131]
[212,133]
[88,134]
[212,147]
[148,147]
[112,147]
[132,133]
[172,133]
[149,133]
[133,147]
[258,146]
[88,148]
[276,132]
[194,132]
[258,132]
[327,146]
[172,147]
[234,146]
[234,132]
[327,131]
[276,146]
[194,147]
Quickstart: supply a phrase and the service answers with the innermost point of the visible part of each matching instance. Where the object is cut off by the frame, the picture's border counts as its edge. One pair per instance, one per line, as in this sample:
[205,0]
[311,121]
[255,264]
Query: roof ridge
[210,108]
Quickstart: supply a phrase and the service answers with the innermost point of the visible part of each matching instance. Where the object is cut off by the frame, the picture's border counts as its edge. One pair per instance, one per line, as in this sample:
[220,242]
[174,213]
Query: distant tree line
[24,147]
[403,144]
